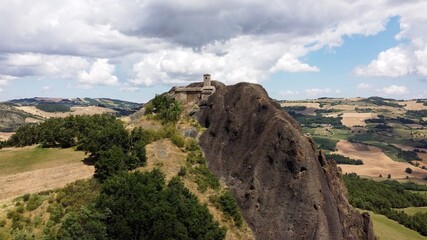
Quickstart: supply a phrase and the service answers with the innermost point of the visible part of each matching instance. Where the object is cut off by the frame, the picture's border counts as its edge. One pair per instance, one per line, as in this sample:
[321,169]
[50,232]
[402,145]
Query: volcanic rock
[285,188]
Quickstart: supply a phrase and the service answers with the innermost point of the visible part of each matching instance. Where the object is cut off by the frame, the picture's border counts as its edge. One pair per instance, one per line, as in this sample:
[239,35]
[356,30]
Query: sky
[134,49]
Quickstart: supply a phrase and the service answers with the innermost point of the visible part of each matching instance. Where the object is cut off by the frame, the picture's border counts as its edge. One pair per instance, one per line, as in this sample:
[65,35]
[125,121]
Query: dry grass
[163,154]
[5,135]
[168,158]
[42,179]
[343,107]
[31,169]
[375,162]
[91,110]
[307,104]
[351,119]
[413,105]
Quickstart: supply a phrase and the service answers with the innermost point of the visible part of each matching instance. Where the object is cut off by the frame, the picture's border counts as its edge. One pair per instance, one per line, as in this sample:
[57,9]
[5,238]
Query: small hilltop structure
[194,92]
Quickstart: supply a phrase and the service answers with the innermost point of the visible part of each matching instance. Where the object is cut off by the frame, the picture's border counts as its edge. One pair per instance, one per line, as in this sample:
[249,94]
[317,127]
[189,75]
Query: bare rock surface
[286,190]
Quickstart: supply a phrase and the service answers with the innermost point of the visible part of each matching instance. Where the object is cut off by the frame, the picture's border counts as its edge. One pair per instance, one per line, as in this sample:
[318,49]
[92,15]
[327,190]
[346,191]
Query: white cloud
[316,91]
[46,88]
[4,81]
[288,63]
[31,64]
[393,62]
[288,93]
[364,86]
[100,73]
[395,90]
[165,42]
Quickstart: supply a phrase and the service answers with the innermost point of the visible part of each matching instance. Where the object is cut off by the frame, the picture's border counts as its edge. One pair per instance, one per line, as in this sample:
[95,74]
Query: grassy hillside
[176,193]
[387,229]
[16,160]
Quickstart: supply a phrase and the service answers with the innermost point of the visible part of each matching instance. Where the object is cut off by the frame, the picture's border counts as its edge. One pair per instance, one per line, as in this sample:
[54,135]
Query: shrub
[26,197]
[182,171]
[34,202]
[228,205]
[408,170]
[196,157]
[205,179]
[192,145]
[178,139]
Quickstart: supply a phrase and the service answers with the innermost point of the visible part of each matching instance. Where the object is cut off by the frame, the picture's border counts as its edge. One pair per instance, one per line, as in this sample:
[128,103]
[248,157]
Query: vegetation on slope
[118,204]
[340,159]
[385,198]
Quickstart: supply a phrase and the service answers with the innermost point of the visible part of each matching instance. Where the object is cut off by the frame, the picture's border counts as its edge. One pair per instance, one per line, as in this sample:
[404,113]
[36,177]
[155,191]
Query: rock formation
[286,190]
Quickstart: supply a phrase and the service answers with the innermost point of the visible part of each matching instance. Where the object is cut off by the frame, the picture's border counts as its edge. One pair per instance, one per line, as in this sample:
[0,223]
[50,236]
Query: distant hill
[14,113]
[121,107]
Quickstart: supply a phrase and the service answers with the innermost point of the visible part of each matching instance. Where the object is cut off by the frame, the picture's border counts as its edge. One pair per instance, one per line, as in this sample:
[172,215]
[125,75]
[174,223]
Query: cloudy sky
[133,49]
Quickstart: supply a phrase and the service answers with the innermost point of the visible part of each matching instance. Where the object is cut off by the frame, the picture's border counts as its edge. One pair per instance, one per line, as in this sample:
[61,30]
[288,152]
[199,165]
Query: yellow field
[33,169]
[375,162]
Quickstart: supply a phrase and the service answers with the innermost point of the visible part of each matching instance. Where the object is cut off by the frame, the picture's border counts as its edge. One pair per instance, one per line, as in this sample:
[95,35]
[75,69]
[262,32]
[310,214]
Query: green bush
[340,159]
[228,205]
[205,179]
[165,108]
[182,171]
[192,145]
[178,139]
[34,202]
[196,157]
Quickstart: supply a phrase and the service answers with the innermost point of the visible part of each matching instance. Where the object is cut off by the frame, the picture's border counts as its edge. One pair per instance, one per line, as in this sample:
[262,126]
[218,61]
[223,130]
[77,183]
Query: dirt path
[15,185]
[375,162]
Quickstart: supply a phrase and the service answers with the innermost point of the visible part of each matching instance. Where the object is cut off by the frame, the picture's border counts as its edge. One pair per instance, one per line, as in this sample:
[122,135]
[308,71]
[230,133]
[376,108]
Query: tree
[140,206]
[408,170]
[110,163]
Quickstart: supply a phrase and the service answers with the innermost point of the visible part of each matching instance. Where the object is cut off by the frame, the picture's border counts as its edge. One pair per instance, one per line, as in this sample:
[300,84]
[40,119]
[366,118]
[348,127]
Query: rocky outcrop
[285,189]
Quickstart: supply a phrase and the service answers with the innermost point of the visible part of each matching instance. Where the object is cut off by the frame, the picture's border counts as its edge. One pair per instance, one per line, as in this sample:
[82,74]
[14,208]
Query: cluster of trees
[111,147]
[137,206]
[386,197]
[164,108]
[314,121]
[326,143]
[379,101]
[53,107]
[294,108]
[340,159]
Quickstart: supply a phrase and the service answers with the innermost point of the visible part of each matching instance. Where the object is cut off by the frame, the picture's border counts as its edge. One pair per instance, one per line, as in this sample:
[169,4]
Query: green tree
[110,163]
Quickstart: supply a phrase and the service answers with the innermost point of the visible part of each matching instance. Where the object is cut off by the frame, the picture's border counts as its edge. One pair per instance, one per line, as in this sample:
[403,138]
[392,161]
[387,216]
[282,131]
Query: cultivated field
[351,119]
[5,135]
[91,110]
[375,162]
[387,229]
[33,169]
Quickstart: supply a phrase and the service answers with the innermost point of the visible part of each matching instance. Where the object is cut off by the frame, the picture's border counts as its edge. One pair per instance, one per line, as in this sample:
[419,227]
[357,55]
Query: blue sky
[132,50]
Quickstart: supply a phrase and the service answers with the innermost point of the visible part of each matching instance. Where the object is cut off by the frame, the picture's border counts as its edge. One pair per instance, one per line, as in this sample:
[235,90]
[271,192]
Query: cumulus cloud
[31,64]
[100,73]
[164,42]
[316,91]
[288,63]
[393,62]
[364,86]
[4,81]
[395,90]
[288,93]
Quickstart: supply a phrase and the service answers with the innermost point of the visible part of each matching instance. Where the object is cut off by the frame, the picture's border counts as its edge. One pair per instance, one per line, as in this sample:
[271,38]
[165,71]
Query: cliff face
[284,188]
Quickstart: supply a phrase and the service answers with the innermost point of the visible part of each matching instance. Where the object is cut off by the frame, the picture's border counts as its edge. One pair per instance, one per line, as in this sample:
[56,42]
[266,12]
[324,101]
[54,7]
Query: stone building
[194,94]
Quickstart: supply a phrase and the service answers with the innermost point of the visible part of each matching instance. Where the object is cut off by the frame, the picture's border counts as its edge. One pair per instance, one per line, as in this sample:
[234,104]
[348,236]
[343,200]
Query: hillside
[15,113]
[388,135]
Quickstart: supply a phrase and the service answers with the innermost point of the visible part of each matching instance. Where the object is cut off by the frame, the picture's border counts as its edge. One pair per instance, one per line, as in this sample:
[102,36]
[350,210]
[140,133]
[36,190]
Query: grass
[16,160]
[387,229]
[422,193]
[413,210]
